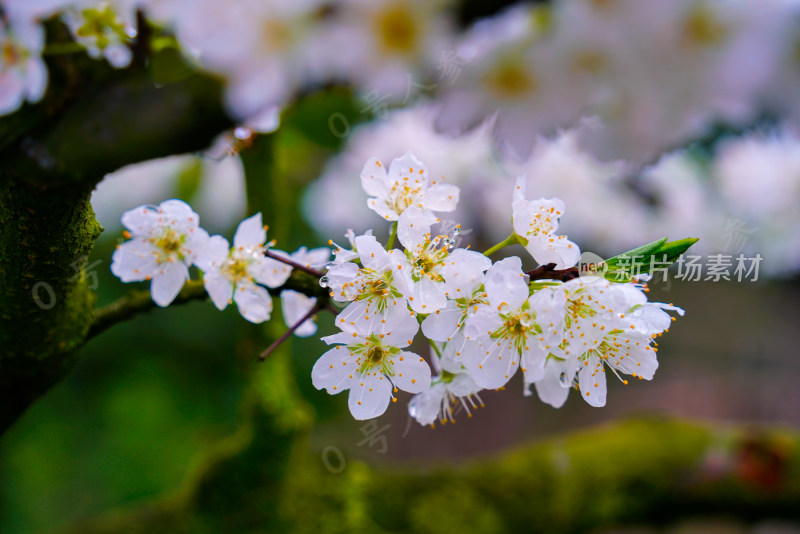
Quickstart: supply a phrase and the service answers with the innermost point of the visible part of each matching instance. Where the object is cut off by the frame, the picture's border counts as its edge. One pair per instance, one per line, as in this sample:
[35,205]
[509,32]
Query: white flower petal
[413,226]
[253,301]
[427,296]
[464,271]
[294,306]
[345,338]
[400,327]
[334,369]
[533,361]
[213,254]
[373,178]
[442,324]
[407,169]
[592,382]
[35,79]
[372,254]
[167,282]
[12,93]
[314,258]
[453,354]
[550,388]
[650,319]
[140,221]
[379,206]
[369,396]
[178,215]
[250,233]
[271,273]
[463,385]
[196,242]
[506,284]
[554,249]
[424,407]
[337,276]
[641,362]
[134,260]
[491,362]
[482,322]
[219,288]
[411,372]
[441,197]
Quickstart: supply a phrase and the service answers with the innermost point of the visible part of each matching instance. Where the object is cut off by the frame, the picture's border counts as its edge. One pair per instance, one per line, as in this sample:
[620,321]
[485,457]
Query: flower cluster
[483,320]
[738,194]
[166,240]
[615,69]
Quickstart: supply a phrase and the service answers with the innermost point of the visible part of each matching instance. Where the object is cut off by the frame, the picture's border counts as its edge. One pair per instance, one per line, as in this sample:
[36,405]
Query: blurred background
[715,155]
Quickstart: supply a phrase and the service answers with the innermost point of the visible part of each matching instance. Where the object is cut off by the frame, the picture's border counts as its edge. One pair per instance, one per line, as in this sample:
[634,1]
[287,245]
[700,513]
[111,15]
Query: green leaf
[642,260]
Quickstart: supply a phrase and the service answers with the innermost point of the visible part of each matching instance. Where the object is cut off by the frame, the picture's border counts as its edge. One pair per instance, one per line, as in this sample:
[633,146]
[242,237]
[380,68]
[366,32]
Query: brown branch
[294,264]
[286,335]
[549,272]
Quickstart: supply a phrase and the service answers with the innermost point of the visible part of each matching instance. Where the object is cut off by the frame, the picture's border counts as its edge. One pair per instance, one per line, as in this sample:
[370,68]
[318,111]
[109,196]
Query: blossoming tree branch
[87,87]
[483,321]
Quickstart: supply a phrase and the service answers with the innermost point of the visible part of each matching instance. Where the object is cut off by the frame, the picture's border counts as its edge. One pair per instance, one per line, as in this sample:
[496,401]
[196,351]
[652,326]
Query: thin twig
[286,335]
[299,266]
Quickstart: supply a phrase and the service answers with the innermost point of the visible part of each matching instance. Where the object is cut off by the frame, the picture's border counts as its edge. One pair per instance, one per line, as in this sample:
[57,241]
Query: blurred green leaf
[325,117]
[642,260]
[168,66]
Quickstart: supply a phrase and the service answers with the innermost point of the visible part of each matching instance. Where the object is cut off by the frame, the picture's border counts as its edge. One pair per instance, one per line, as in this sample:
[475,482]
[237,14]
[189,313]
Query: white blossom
[536,221]
[234,273]
[23,74]
[507,331]
[385,48]
[104,27]
[606,325]
[405,184]
[334,200]
[371,289]
[433,271]
[449,391]
[371,363]
[261,48]
[165,241]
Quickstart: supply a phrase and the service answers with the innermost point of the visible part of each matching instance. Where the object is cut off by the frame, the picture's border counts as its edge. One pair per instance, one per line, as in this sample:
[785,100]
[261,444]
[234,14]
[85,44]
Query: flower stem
[392,236]
[298,266]
[510,240]
[435,348]
[286,335]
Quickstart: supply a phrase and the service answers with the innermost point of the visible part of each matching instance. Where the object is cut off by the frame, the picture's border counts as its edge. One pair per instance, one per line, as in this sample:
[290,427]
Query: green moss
[46,304]
[629,473]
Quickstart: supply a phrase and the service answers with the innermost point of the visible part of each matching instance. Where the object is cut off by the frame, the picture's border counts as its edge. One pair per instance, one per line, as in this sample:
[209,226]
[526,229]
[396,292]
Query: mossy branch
[638,472]
[92,121]
[138,302]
